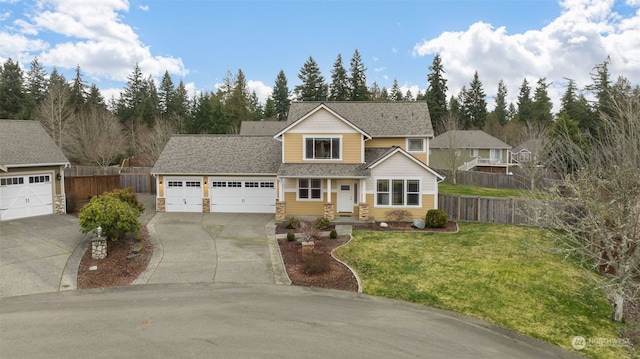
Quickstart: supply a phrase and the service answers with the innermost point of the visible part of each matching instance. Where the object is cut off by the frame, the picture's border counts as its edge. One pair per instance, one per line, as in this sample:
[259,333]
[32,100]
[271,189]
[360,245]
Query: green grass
[507,275]
[464,190]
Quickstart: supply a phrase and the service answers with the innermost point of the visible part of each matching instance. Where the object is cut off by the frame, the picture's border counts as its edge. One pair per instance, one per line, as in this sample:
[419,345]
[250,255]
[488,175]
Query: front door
[345,197]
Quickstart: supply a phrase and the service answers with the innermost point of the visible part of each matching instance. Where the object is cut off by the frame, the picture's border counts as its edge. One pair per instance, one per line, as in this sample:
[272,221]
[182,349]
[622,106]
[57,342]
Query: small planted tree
[115,212]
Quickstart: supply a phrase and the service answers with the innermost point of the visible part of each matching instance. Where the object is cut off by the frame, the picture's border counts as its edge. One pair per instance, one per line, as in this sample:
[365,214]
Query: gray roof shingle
[261,128]
[219,154]
[323,170]
[378,119]
[467,139]
[26,143]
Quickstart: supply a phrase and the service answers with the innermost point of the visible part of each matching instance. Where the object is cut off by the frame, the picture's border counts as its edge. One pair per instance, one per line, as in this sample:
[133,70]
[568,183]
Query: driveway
[213,248]
[34,254]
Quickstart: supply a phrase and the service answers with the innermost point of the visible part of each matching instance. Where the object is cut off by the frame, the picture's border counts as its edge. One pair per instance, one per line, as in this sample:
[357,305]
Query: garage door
[243,195]
[183,195]
[25,196]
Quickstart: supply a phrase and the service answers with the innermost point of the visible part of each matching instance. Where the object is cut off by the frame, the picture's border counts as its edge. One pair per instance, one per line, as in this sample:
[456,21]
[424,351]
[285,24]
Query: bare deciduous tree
[95,138]
[451,150]
[151,141]
[55,112]
[600,222]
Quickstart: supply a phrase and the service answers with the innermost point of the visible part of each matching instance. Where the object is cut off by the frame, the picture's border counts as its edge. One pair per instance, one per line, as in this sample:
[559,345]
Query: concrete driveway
[35,254]
[213,247]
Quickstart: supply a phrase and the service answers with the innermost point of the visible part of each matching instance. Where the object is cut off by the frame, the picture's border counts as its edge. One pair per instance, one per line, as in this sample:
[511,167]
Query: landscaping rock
[419,223]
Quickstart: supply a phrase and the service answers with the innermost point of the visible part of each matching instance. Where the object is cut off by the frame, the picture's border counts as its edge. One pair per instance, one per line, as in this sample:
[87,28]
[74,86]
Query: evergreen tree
[12,95]
[165,93]
[501,104]
[178,107]
[542,105]
[202,114]
[237,107]
[36,88]
[280,96]
[474,105]
[395,94]
[79,92]
[455,107]
[512,112]
[409,96]
[358,79]
[525,104]
[375,92]
[150,102]
[575,106]
[339,88]
[129,106]
[94,98]
[313,87]
[601,87]
[269,111]
[436,94]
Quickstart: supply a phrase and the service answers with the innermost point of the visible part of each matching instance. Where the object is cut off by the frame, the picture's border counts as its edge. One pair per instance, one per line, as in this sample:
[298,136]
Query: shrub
[117,218]
[291,236]
[315,263]
[127,196]
[398,216]
[309,230]
[436,218]
[292,223]
[333,234]
[322,223]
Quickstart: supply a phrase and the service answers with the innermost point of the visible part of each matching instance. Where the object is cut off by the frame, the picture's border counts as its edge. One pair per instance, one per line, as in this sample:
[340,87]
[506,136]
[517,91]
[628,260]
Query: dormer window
[322,148]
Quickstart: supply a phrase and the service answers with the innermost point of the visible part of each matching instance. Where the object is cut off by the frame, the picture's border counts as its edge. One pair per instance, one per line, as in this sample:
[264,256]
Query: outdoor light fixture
[99,230]
[58,176]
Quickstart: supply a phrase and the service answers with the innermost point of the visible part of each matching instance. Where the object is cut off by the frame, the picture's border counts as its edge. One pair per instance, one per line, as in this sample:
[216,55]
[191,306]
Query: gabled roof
[397,150]
[467,139]
[261,128]
[533,145]
[378,119]
[291,124]
[27,144]
[219,154]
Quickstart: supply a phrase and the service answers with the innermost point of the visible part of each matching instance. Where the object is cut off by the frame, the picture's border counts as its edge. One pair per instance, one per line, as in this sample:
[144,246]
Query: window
[415,144]
[398,192]
[322,148]
[309,188]
[218,184]
[473,152]
[174,183]
[234,184]
[267,185]
[11,181]
[39,179]
[192,183]
[252,184]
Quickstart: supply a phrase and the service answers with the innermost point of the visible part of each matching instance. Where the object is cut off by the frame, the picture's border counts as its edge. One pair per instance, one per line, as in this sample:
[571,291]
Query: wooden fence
[499,180]
[80,189]
[490,210]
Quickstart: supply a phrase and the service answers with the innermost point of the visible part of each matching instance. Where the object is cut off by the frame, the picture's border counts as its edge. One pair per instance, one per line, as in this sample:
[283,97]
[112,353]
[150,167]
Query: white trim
[424,145]
[304,147]
[313,111]
[321,199]
[405,153]
[391,179]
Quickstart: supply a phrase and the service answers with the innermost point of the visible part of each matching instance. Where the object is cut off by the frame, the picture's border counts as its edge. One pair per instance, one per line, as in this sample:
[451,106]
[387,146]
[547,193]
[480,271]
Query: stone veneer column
[99,248]
[328,211]
[160,205]
[59,204]
[206,205]
[364,212]
[281,211]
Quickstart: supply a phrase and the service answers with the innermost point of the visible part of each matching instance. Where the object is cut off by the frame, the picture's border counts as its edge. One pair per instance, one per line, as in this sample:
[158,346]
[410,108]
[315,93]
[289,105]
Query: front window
[474,152]
[309,188]
[397,192]
[322,148]
[415,145]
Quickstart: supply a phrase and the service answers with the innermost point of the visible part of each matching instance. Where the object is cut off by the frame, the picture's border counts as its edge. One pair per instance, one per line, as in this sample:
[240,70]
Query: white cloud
[570,46]
[144,7]
[95,38]
[262,91]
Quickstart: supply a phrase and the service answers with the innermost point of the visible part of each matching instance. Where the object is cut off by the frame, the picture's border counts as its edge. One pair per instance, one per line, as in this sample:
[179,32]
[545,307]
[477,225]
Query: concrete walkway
[213,248]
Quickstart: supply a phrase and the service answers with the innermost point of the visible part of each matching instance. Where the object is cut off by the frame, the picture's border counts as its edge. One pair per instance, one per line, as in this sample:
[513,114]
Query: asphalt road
[245,321]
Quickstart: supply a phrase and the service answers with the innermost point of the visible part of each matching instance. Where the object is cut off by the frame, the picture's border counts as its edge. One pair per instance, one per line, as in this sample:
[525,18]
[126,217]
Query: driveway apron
[34,253]
[210,247]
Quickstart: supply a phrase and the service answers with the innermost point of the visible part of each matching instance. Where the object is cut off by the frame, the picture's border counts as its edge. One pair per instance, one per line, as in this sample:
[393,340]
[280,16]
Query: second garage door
[184,195]
[243,195]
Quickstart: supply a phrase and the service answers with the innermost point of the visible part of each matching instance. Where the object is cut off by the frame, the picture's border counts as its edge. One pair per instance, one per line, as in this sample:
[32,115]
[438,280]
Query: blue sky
[199,41]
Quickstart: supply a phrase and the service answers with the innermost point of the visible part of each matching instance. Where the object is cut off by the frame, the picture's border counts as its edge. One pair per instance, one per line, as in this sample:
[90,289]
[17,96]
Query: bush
[127,196]
[398,216]
[436,218]
[333,234]
[116,217]
[292,223]
[322,223]
[291,236]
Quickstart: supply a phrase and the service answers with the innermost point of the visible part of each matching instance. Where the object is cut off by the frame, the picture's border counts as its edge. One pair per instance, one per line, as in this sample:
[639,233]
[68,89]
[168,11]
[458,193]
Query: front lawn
[504,274]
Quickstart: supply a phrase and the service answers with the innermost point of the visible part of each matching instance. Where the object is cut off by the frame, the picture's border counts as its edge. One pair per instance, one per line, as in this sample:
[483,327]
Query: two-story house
[357,159]
[467,150]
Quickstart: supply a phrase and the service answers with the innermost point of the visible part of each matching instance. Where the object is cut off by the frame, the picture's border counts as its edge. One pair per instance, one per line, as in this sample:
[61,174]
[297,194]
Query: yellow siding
[160,186]
[302,208]
[385,142]
[379,214]
[351,147]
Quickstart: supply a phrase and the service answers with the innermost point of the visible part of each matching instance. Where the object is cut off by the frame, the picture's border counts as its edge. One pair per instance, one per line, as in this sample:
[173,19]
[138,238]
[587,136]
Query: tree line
[145,115]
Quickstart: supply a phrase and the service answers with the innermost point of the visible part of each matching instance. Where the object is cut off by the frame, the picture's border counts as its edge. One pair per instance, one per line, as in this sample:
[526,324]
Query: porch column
[328,190]
[363,191]
[280,189]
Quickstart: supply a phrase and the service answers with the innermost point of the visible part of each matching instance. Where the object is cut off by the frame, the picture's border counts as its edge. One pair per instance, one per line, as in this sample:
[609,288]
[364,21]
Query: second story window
[322,148]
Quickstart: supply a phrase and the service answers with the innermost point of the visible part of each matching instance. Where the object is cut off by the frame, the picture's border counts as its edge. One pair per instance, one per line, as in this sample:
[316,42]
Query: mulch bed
[404,226]
[335,276]
[115,270]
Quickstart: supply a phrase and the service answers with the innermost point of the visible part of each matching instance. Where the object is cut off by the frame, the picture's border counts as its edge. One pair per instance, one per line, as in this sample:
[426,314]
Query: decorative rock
[419,223]
[384,224]
[99,248]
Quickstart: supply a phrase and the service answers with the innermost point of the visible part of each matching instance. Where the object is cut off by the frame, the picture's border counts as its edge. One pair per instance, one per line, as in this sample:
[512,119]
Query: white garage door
[248,195]
[183,195]
[25,196]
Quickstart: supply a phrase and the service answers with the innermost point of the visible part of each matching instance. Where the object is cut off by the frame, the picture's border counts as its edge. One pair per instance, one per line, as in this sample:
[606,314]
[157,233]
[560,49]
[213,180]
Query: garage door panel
[243,195]
[184,195]
[25,196]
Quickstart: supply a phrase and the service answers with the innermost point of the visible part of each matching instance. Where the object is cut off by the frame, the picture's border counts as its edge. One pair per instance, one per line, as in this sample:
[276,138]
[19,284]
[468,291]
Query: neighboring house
[467,150]
[31,171]
[261,128]
[527,153]
[358,159]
